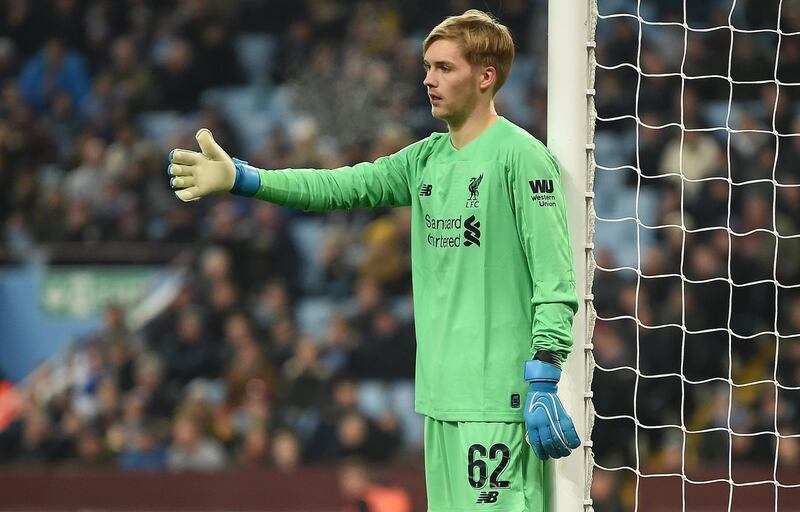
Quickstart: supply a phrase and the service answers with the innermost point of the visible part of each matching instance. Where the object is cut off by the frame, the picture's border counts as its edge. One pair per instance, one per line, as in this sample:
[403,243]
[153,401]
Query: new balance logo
[541,186]
[472,233]
[425,189]
[488,497]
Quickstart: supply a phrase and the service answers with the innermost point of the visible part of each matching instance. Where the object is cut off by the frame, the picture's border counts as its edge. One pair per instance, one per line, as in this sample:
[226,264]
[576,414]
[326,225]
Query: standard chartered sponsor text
[445,223]
[443,240]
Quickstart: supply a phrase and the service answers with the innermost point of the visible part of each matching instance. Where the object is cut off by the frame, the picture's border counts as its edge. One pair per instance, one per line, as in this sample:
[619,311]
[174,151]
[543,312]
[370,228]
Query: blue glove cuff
[247,180]
[542,376]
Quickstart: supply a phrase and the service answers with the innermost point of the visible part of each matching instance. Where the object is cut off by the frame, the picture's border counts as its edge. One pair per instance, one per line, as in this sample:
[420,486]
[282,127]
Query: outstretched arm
[367,185]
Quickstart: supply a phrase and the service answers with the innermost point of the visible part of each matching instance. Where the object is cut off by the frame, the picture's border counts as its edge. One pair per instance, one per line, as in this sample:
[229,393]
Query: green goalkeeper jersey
[492,269]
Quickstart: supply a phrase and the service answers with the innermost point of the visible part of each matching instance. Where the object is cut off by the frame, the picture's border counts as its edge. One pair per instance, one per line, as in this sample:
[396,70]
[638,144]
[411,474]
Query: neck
[465,131]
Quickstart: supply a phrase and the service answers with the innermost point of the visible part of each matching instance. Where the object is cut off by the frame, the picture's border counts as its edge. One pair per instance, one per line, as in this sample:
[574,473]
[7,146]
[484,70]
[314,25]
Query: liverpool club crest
[474,183]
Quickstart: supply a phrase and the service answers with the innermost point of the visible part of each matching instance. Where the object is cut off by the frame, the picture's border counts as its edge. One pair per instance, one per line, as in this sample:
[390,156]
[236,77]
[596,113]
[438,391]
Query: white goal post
[699,313]
[569,136]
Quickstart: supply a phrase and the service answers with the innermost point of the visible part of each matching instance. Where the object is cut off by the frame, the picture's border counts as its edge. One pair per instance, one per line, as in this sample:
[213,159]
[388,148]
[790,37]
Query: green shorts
[482,466]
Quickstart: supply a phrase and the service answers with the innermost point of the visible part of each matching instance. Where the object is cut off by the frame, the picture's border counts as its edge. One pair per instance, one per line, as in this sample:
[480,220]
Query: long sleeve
[382,183]
[541,221]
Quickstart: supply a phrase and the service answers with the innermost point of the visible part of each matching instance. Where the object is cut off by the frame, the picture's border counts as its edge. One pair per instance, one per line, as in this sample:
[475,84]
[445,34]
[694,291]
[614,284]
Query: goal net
[696,384]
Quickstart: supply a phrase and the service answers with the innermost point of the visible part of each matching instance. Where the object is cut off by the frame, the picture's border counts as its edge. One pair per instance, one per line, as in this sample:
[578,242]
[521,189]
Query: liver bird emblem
[474,183]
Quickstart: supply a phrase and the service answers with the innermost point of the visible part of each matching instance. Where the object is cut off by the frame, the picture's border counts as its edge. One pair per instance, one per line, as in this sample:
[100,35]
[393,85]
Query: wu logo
[472,233]
[487,497]
[541,186]
[474,183]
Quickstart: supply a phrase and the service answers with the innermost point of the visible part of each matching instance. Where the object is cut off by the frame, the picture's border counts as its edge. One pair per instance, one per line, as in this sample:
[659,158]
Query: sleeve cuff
[247,180]
[539,371]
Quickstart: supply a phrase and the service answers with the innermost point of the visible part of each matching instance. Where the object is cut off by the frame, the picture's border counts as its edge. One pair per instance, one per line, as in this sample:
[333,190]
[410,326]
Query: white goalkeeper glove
[212,171]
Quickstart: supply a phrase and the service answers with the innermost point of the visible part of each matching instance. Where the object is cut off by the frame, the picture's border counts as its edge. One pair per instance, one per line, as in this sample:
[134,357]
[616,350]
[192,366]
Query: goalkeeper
[494,283]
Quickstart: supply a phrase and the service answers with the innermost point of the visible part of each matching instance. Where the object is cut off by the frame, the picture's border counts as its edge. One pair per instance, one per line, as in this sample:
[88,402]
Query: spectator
[255,410]
[190,355]
[91,452]
[215,44]
[121,155]
[109,404]
[254,450]
[88,370]
[357,436]
[273,304]
[54,68]
[238,330]
[606,492]
[191,449]
[130,77]
[271,253]
[127,427]
[180,78]
[282,341]
[68,430]
[148,380]
[386,352]
[246,368]
[695,155]
[286,453]
[295,44]
[303,378]
[338,343]
[338,275]
[383,261]
[31,441]
[143,451]
[363,493]
[789,454]
[222,300]
[369,298]
[86,182]
[63,122]
[22,21]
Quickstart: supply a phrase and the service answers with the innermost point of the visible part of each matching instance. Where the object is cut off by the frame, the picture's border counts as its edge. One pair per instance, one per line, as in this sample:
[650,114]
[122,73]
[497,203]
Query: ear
[488,78]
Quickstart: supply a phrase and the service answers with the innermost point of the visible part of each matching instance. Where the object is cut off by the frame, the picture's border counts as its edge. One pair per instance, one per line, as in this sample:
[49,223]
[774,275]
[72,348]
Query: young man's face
[453,84]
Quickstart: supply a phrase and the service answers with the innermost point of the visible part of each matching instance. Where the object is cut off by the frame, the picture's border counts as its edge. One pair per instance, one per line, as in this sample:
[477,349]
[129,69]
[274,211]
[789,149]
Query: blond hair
[484,41]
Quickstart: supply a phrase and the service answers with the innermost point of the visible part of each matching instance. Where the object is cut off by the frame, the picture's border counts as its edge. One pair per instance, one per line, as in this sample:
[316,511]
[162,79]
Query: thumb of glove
[209,146]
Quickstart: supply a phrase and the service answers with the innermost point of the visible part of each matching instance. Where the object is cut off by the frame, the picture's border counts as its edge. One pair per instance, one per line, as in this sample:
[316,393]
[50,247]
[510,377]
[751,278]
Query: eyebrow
[439,63]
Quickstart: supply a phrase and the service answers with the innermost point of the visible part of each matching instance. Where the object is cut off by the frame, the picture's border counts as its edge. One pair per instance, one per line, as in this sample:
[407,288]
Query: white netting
[697,286]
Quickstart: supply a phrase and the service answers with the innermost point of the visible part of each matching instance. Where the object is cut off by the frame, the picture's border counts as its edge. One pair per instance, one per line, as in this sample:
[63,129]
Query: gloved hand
[212,171]
[548,428]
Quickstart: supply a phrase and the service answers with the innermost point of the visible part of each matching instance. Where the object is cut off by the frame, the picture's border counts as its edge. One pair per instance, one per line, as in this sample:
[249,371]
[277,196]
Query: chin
[440,113]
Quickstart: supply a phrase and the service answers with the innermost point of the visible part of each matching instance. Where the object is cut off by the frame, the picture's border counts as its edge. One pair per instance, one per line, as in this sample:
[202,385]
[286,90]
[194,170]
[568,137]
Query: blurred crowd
[291,342]
[94,92]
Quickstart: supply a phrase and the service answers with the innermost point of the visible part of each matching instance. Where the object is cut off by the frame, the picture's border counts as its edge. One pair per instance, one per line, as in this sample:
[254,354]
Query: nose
[428,82]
